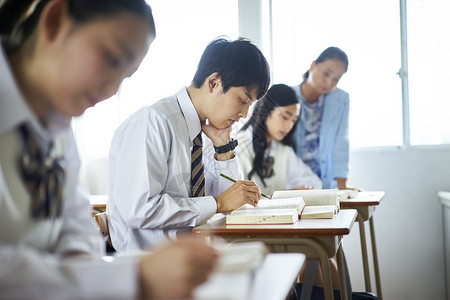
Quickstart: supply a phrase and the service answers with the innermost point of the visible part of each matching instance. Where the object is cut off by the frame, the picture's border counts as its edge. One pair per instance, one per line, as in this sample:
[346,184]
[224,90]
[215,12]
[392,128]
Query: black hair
[237,63]
[278,95]
[330,53]
[19,18]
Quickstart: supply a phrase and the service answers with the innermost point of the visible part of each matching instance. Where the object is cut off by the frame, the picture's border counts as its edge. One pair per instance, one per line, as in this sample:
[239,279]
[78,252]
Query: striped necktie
[197,170]
[42,175]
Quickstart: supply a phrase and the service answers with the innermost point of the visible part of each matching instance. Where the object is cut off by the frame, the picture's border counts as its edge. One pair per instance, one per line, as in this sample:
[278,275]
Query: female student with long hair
[266,146]
[57,58]
[322,131]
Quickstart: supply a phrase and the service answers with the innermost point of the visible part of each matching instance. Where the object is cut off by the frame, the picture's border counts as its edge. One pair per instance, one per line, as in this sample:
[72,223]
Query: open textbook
[288,206]
[320,204]
[268,211]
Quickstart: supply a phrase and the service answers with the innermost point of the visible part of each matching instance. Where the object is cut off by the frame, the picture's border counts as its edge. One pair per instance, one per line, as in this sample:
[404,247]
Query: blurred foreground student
[322,132]
[166,159]
[57,58]
[266,144]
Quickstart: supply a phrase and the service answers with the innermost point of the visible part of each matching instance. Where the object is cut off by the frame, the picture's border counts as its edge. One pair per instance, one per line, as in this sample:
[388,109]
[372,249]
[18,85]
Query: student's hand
[341,183]
[174,270]
[219,137]
[240,193]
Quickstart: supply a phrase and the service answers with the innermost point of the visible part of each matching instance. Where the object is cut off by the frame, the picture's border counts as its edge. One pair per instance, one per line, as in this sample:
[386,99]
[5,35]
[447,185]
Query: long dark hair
[330,53]
[237,63]
[19,18]
[278,95]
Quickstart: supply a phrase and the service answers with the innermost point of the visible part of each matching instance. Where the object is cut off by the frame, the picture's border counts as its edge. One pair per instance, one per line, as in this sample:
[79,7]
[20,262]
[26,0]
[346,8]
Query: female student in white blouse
[266,147]
[57,58]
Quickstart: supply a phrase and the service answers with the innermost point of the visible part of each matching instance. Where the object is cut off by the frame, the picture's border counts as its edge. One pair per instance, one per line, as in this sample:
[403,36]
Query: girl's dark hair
[237,63]
[330,53]
[19,18]
[278,95]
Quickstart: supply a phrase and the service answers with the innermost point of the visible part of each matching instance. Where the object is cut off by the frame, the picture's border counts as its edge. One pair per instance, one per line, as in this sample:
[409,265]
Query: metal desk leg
[308,284]
[362,235]
[375,259]
[344,281]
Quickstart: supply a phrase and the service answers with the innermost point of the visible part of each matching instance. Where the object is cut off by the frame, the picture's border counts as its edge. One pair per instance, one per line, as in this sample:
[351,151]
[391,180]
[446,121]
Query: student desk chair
[98,203]
[365,203]
[317,238]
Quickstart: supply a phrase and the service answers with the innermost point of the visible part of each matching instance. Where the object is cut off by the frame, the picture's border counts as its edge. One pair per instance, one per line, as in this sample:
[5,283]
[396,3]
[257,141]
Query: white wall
[408,222]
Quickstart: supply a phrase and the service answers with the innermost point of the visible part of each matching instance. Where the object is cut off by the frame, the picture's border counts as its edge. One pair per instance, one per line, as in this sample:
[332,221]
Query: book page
[264,212]
[311,197]
[321,211]
[287,203]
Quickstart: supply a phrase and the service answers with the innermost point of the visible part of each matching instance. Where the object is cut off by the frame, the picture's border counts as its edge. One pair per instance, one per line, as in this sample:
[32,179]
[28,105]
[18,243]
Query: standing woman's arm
[341,150]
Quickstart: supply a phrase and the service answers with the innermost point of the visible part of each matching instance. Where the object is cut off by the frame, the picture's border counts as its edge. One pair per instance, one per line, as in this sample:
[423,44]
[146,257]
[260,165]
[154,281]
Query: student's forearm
[225,156]
[341,183]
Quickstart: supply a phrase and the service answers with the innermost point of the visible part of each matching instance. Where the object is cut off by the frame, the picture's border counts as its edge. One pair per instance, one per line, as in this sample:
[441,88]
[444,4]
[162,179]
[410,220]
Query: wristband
[227,147]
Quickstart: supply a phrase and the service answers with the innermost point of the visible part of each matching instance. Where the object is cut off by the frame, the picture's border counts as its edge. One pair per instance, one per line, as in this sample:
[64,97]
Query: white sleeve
[143,169]
[300,174]
[214,167]
[26,273]
[78,232]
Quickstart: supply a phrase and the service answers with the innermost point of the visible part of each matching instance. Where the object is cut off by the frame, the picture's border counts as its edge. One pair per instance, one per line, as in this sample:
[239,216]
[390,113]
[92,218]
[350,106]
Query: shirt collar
[303,101]
[14,110]
[189,112]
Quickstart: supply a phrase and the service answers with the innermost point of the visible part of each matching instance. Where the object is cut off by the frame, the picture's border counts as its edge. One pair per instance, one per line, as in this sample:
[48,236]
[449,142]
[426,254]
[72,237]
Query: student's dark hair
[237,63]
[19,18]
[278,95]
[330,53]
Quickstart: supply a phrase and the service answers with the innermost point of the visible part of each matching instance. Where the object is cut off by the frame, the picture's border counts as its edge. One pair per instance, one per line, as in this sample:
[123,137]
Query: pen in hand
[232,180]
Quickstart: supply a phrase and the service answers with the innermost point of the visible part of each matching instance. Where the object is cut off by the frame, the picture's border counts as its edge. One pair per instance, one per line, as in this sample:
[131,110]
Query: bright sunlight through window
[183,30]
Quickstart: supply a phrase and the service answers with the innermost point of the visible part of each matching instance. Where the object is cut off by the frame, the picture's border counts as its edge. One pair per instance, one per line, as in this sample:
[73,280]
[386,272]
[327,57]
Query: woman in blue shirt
[322,132]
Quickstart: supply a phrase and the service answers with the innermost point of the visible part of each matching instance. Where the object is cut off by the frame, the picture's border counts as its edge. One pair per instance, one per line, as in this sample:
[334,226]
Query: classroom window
[368,31]
[183,30]
[429,65]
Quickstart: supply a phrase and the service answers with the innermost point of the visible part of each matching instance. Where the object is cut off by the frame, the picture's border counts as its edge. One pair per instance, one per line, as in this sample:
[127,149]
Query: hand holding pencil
[232,180]
[240,193]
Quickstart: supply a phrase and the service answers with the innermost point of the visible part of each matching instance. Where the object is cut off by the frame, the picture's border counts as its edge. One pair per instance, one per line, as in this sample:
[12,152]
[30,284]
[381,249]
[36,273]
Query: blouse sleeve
[27,273]
[341,150]
[300,174]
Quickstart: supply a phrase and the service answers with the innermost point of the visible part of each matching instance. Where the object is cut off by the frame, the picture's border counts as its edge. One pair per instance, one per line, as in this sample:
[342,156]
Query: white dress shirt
[33,261]
[150,175]
[289,170]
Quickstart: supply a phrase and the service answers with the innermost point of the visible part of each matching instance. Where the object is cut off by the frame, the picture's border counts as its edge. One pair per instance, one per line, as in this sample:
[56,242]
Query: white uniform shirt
[32,253]
[289,170]
[150,175]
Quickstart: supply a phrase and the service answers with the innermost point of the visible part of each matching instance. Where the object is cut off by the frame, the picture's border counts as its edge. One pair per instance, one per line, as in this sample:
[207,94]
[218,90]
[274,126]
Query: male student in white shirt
[150,197]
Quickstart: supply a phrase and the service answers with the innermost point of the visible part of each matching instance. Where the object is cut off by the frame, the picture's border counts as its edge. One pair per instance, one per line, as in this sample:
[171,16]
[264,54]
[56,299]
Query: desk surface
[339,225]
[272,281]
[363,199]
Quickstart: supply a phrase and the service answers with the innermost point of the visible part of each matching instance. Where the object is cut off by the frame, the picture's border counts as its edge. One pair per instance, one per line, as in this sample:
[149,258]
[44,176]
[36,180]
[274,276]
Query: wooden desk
[317,238]
[272,281]
[365,203]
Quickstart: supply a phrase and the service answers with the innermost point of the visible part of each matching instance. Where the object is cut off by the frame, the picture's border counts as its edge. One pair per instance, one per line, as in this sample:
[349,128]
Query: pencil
[232,180]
